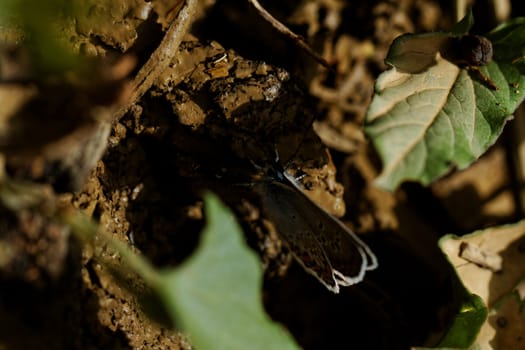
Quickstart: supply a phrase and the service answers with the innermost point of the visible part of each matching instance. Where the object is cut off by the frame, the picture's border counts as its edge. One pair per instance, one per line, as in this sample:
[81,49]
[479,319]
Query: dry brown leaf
[499,290]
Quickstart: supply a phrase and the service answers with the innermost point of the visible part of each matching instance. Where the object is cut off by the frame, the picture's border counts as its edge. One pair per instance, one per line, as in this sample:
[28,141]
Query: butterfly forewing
[338,241]
[322,244]
[281,207]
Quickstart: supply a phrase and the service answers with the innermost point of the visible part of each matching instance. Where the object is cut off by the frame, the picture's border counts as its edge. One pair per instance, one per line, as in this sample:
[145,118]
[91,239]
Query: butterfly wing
[349,256]
[286,209]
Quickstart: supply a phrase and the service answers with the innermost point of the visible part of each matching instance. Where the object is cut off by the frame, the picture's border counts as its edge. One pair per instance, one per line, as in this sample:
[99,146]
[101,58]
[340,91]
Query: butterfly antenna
[255,165]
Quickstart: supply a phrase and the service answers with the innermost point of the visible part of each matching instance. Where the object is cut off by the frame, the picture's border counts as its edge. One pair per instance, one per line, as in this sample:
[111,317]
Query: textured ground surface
[237,93]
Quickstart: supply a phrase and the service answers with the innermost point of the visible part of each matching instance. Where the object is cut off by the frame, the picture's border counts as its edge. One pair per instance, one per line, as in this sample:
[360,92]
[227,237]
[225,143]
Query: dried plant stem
[287,32]
[162,55]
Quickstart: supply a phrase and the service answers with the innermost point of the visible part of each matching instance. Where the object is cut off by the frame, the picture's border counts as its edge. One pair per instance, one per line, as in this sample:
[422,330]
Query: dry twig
[299,40]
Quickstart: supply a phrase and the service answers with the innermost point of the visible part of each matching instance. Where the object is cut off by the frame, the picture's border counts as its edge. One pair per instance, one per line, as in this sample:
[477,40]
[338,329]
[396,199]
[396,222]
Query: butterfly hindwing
[280,204]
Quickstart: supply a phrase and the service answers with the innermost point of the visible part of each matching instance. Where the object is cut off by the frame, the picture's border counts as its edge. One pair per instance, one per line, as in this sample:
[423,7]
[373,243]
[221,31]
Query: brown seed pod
[470,50]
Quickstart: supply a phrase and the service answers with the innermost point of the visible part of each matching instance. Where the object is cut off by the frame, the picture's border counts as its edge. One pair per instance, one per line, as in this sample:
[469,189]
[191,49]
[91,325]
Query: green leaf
[411,53]
[216,295]
[466,324]
[41,22]
[508,40]
[424,123]
[439,348]
[415,53]
[463,26]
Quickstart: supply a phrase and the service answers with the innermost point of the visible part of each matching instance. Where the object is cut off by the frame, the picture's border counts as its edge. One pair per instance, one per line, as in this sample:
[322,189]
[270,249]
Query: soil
[236,97]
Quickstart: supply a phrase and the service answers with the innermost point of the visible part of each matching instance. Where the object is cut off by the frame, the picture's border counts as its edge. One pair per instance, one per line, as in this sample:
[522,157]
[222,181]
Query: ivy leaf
[216,295]
[466,325]
[429,114]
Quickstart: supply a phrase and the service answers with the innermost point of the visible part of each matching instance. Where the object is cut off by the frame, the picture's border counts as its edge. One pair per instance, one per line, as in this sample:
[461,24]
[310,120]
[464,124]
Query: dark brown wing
[345,251]
[286,209]
[343,248]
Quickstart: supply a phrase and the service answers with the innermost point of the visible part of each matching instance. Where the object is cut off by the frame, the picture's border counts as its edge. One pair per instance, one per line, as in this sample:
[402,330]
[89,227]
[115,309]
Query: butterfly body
[322,244]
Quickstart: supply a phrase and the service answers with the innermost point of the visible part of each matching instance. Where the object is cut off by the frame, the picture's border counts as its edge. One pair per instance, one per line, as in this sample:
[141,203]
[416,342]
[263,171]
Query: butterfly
[322,244]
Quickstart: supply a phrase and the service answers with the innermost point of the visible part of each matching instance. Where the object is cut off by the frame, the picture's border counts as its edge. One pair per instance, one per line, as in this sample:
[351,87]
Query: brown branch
[299,40]
[161,57]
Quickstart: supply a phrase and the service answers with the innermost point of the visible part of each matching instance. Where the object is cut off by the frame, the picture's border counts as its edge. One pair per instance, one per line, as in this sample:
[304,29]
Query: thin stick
[299,40]
[161,57]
